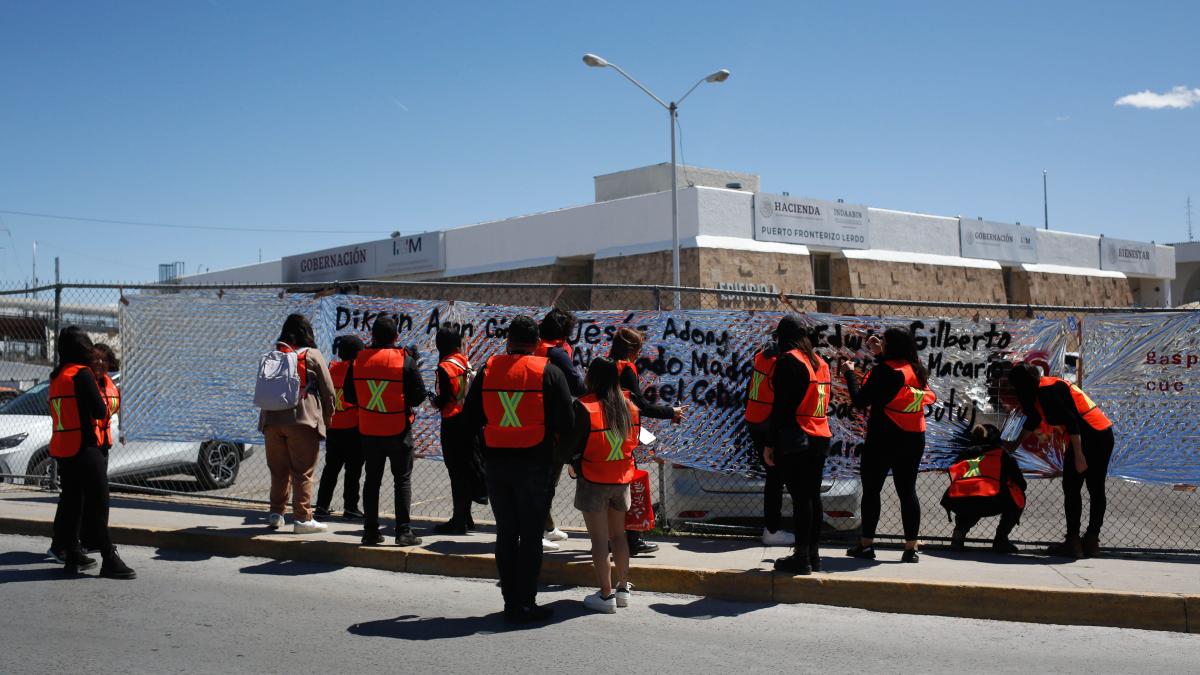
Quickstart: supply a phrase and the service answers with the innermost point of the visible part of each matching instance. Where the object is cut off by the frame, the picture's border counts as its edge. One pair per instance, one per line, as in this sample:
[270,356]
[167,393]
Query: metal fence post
[57,309]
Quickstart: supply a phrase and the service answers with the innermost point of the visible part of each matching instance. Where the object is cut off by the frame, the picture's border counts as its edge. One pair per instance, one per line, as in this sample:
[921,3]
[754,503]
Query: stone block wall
[1041,288]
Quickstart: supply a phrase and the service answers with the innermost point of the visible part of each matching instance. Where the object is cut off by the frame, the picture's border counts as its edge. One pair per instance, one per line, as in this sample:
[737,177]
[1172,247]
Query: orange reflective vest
[907,409]
[1084,405]
[379,387]
[761,394]
[607,457]
[345,414]
[981,477]
[514,401]
[67,434]
[301,366]
[623,366]
[544,346]
[456,366]
[812,413]
[112,403]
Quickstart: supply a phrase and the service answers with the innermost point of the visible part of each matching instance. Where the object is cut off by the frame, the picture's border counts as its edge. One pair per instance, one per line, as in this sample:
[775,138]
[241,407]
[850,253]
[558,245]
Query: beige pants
[292,453]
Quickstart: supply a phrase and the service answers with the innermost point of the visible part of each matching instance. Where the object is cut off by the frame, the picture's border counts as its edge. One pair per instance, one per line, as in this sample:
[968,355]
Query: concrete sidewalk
[1118,592]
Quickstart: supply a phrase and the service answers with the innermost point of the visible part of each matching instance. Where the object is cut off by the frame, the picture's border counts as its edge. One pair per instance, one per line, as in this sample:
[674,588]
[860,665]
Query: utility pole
[1189,208]
[1045,203]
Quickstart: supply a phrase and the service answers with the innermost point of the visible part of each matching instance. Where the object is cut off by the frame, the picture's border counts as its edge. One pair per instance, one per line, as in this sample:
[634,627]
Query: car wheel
[218,464]
[44,470]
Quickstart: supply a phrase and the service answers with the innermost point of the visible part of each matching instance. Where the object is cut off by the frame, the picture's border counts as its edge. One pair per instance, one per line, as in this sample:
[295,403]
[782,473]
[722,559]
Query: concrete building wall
[270,272]
[1076,290]
[882,279]
[1066,248]
[657,178]
[915,232]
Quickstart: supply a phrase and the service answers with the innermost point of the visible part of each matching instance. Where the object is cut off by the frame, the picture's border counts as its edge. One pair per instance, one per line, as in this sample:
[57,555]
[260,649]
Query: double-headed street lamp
[673,110]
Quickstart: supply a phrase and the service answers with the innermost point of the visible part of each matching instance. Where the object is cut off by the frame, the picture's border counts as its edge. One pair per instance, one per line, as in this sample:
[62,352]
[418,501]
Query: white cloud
[1179,97]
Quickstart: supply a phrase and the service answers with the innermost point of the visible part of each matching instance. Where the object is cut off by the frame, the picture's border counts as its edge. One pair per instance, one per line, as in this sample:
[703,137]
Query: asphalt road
[194,613]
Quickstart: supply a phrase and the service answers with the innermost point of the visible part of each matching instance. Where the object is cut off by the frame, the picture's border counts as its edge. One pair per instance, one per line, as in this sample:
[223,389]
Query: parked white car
[25,428]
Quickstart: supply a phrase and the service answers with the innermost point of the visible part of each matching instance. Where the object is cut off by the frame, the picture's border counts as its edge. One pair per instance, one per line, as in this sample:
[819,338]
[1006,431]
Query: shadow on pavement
[412,627]
[707,608]
[53,573]
[847,564]
[289,568]
[173,555]
[985,556]
[461,547]
[9,558]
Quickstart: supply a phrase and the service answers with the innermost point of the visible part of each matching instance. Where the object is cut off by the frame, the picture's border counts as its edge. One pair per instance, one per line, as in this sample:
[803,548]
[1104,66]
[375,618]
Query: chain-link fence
[1141,516]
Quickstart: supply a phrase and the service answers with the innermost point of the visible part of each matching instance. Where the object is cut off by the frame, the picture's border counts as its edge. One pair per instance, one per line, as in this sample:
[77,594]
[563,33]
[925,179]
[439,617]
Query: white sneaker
[778,538]
[309,526]
[275,521]
[597,603]
[623,594]
[555,535]
[548,546]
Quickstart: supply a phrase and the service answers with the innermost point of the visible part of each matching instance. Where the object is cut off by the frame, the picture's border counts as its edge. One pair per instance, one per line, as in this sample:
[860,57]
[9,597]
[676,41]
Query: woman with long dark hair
[896,392]
[1056,402]
[293,436]
[605,434]
[80,443]
[798,438]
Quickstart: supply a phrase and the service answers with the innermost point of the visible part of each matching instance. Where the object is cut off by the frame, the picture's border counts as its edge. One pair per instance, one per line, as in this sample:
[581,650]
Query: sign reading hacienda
[811,222]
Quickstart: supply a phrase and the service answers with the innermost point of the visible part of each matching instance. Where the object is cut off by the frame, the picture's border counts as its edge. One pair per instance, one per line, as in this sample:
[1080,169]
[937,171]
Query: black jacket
[559,414]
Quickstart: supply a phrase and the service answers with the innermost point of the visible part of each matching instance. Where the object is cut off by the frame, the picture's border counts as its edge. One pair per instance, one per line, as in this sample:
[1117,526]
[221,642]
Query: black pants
[901,454]
[460,452]
[83,502]
[1008,520]
[520,493]
[377,451]
[773,489]
[1097,450]
[558,470]
[343,449]
[801,473]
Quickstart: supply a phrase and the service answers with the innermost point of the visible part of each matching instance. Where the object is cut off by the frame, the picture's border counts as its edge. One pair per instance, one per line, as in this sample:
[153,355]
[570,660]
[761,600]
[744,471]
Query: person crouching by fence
[798,438]
[1056,402]
[386,387]
[896,391]
[343,447]
[985,481]
[293,435]
[80,440]
[460,447]
[522,405]
[606,431]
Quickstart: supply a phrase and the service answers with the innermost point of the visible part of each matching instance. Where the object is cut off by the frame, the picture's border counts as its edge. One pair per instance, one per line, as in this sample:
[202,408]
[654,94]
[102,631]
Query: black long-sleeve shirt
[575,382]
[1059,409]
[879,390]
[414,387]
[91,408]
[658,411]
[557,408]
[790,382]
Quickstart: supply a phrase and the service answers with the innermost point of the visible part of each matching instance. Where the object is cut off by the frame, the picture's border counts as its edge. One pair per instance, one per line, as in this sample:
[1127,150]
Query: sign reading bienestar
[812,222]
[373,259]
[997,241]
[1131,257]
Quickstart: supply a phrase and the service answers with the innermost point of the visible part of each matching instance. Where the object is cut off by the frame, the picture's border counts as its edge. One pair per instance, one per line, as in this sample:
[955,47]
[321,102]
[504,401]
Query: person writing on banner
[985,481]
[522,405]
[387,386]
[80,439]
[554,333]
[606,431]
[293,435]
[626,347]
[1055,402]
[343,445]
[798,438]
[760,398]
[460,447]
[896,393]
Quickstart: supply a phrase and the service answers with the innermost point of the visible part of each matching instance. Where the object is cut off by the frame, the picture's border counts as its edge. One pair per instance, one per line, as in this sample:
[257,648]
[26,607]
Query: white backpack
[279,386]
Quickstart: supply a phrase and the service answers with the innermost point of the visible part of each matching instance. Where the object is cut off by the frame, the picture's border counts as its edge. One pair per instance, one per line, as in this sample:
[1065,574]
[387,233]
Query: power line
[223,228]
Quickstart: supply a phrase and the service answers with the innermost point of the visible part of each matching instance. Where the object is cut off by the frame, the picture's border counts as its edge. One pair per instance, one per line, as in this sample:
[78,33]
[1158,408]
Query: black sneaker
[814,559]
[321,512]
[1004,546]
[470,524]
[352,514]
[958,541]
[860,551]
[910,556]
[531,614]
[58,555]
[75,561]
[794,565]
[407,538]
[642,547]
[450,527]
[115,568]
[372,539]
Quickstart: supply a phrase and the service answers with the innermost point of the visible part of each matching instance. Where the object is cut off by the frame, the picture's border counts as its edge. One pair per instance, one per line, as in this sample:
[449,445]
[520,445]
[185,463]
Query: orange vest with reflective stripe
[379,387]
[112,403]
[514,401]
[455,366]
[623,366]
[761,394]
[608,458]
[980,477]
[544,346]
[907,409]
[1084,405]
[345,414]
[66,436]
[812,415]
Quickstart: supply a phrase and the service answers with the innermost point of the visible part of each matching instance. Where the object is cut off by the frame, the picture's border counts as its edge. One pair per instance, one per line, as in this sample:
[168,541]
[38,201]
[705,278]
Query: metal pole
[673,110]
[57,310]
[1045,202]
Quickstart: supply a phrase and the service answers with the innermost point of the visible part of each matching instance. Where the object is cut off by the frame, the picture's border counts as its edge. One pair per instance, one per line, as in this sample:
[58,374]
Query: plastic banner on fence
[1143,370]
[191,361]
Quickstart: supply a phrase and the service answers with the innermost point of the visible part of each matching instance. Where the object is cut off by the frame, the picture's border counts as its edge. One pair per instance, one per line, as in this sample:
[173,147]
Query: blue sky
[367,117]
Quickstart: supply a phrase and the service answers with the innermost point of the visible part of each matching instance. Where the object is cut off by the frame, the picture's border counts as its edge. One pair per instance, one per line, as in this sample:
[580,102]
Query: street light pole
[673,111]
